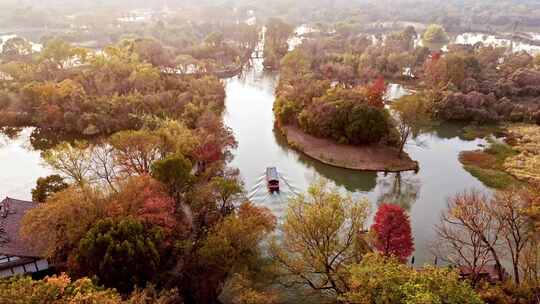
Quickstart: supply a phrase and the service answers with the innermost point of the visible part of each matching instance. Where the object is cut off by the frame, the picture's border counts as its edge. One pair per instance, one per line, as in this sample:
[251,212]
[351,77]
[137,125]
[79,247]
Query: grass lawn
[487,164]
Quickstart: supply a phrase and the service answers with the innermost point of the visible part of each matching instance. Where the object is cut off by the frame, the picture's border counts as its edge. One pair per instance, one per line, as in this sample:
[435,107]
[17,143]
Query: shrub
[121,253]
[346,122]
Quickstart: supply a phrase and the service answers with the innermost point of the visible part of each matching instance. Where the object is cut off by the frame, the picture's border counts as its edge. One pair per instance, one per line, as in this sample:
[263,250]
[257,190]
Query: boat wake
[276,201]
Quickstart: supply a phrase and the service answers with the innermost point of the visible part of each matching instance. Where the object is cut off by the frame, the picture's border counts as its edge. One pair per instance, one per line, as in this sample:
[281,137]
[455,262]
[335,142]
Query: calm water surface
[249,102]
[21,166]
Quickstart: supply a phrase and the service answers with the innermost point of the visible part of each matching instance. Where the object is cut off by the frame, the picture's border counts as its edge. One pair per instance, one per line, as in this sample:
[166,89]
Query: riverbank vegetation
[482,85]
[524,139]
[323,254]
[488,165]
[507,163]
[276,44]
[480,232]
[435,34]
[143,205]
[102,93]
[332,87]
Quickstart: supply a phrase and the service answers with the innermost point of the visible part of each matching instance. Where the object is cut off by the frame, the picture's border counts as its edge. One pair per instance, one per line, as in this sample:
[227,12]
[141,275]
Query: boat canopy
[272,174]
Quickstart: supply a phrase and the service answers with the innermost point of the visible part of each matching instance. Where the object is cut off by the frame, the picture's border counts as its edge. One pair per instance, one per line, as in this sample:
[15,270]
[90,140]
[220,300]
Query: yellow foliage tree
[321,237]
[55,227]
[525,165]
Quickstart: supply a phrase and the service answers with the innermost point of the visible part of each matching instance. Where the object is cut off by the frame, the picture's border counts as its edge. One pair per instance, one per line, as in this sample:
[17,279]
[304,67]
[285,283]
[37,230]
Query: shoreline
[374,158]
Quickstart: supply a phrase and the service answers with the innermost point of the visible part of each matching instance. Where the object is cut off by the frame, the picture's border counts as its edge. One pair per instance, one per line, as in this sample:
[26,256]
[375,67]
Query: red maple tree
[376,92]
[392,229]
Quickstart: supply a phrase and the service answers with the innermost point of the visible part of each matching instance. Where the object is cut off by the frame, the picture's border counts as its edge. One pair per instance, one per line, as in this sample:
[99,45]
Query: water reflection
[448,131]
[401,189]
[21,164]
[395,91]
[40,139]
[516,46]
[487,40]
[249,104]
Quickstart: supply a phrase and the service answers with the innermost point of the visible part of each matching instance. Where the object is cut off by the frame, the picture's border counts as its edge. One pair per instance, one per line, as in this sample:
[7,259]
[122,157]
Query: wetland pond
[249,102]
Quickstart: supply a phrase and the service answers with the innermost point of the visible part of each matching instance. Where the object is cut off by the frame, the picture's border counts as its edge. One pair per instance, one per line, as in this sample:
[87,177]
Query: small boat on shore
[272,179]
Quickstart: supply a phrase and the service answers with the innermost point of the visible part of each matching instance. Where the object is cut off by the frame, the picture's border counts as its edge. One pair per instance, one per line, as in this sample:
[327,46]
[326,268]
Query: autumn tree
[228,189]
[17,49]
[147,200]
[413,115]
[175,137]
[215,144]
[135,151]
[378,279]
[103,166]
[435,71]
[175,173]
[471,231]
[242,291]
[435,34]
[509,210]
[275,43]
[46,186]
[84,164]
[71,160]
[55,228]
[392,230]
[477,230]
[376,93]
[456,69]
[320,240]
[342,73]
[122,253]
[55,289]
[232,245]
[60,53]
[63,289]
[150,50]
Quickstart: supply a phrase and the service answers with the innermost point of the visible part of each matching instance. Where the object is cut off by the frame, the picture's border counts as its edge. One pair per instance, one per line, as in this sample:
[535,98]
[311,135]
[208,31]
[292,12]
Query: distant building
[16,256]
[487,273]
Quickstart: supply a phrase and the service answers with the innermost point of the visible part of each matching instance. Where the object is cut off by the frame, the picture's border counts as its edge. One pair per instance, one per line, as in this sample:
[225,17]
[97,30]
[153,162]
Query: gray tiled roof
[15,246]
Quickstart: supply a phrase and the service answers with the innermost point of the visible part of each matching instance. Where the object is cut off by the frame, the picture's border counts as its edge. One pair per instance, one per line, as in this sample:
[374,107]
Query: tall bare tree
[477,230]
[470,231]
[508,208]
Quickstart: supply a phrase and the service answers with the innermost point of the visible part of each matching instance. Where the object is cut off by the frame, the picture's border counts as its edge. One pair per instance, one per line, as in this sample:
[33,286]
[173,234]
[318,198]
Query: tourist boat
[272,179]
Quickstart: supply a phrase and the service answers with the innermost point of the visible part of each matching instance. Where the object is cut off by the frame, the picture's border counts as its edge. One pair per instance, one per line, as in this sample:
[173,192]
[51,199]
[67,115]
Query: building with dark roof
[488,273]
[16,256]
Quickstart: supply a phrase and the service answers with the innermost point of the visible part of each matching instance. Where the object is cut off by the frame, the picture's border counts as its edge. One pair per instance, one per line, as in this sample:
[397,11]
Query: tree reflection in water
[399,188]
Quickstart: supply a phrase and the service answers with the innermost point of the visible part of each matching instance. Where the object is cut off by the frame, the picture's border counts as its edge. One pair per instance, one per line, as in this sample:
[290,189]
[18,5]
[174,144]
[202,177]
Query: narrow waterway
[21,166]
[249,102]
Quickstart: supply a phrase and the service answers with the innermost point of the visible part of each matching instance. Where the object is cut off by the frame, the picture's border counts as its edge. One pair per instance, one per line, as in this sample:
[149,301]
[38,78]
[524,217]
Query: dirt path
[366,158]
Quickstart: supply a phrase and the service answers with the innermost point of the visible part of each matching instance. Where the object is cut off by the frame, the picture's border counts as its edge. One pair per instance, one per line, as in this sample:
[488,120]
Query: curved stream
[249,102]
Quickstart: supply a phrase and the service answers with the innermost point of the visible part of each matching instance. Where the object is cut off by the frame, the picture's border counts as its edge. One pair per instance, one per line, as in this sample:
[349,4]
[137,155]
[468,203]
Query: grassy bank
[488,165]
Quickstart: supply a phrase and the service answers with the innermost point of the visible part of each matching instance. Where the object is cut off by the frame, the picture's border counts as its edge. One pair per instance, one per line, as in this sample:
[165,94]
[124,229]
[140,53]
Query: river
[249,102]
[21,166]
